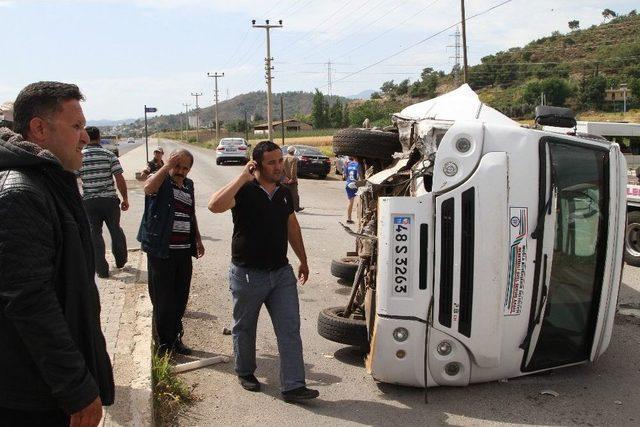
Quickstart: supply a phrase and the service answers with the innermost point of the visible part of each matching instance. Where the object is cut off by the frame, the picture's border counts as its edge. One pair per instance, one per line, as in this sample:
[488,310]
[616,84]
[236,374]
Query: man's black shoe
[300,394]
[249,382]
[103,275]
[180,348]
[299,209]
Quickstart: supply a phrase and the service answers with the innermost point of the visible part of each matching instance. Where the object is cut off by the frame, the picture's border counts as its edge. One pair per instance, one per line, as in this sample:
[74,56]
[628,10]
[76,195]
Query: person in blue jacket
[353,172]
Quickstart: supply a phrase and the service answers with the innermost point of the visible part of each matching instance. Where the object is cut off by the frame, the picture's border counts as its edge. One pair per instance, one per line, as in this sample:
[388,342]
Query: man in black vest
[264,223]
[54,366]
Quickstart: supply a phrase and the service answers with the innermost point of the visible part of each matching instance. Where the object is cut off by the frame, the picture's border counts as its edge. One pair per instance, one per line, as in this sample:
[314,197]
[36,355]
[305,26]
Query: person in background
[54,366]
[290,176]
[264,224]
[154,164]
[99,169]
[169,235]
[353,173]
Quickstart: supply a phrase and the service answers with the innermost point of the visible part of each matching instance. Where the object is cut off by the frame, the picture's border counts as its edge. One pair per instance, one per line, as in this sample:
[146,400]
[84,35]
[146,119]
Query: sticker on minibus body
[518,230]
[401,264]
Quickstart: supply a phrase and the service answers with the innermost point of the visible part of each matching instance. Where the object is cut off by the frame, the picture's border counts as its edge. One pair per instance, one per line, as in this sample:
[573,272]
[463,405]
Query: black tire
[345,268]
[632,239]
[323,176]
[343,330]
[366,143]
[218,162]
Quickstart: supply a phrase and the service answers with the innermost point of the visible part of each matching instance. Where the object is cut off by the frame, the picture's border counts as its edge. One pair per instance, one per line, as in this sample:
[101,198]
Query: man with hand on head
[264,222]
[169,235]
[54,366]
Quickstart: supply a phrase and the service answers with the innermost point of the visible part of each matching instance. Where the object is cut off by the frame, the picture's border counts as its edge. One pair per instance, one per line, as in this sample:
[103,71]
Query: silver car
[232,150]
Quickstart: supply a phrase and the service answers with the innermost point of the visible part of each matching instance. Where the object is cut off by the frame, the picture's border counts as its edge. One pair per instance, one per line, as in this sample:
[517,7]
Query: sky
[124,54]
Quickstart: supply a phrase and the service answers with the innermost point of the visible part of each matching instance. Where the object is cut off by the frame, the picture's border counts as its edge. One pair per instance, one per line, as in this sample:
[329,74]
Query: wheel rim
[632,240]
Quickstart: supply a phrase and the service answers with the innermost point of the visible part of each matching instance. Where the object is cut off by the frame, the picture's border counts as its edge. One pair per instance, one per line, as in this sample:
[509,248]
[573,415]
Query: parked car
[232,150]
[311,161]
[110,143]
[131,141]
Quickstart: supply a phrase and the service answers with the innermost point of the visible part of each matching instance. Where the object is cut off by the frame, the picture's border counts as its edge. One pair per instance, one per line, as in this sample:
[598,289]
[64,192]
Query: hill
[255,104]
[573,69]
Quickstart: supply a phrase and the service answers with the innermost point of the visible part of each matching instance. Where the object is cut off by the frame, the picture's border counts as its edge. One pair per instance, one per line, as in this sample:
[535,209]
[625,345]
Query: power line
[425,40]
[235,52]
[389,29]
[348,36]
[305,35]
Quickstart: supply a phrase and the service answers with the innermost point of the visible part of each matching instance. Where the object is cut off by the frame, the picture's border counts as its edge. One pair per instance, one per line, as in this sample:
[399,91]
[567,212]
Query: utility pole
[282,116]
[464,41]
[246,126]
[197,115]
[623,86]
[268,69]
[456,56]
[216,76]
[329,83]
[186,116]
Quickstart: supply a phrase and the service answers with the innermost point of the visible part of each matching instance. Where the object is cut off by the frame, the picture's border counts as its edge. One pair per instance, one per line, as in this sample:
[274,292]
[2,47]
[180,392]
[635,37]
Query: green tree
[592,91]
[318,111]
[532,91]
[574,25]
[375,95]
[403,87]
[346,120]
[608,14]
[389,88]
[376,111]
[335,114]
[556,90]
[634,88]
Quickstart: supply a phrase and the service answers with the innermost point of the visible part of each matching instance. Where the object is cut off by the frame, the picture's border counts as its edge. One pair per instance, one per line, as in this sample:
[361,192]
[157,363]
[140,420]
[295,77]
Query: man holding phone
[264,222]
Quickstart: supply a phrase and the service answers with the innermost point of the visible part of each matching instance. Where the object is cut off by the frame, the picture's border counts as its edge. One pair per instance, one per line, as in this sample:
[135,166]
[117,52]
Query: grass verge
[170,394]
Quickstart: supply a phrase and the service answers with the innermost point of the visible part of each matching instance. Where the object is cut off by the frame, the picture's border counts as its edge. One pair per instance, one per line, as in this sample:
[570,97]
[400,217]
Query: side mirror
[555,116]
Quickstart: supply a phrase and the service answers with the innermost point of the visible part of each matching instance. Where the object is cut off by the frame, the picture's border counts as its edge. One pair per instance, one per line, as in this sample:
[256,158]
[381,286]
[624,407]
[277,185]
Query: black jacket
[52,351]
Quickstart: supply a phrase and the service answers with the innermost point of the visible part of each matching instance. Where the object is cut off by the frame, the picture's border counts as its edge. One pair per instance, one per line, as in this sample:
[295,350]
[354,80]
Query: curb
[132,356]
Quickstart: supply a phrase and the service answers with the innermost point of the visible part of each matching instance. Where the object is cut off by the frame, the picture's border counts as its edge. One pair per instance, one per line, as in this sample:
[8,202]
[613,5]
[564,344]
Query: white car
[232,150]
[487,250]
[131,141]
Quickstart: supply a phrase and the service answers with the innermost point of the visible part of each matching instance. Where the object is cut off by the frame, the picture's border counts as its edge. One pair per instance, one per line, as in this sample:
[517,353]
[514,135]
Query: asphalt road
[602,394]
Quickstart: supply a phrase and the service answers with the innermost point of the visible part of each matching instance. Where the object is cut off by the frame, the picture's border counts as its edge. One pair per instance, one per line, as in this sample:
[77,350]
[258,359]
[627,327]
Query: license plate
[401,244]
[317,161]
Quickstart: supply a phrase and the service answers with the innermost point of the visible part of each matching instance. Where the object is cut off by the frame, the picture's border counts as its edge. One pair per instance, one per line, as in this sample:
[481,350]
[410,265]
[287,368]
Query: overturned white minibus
[485,250]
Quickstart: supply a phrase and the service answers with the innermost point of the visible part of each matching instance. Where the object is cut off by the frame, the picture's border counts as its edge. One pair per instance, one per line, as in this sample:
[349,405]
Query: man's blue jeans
[277,290]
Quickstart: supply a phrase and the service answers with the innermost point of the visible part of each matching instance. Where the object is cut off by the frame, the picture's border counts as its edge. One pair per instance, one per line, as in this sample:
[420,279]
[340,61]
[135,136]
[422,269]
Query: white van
[487,250]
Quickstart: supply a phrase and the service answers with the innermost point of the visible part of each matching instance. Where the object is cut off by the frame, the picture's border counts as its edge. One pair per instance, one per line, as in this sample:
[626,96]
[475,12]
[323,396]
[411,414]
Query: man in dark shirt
[264,222]
[154,164]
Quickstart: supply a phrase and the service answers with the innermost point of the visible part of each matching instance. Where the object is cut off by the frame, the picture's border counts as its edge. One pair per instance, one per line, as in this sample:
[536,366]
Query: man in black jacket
[54,367]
